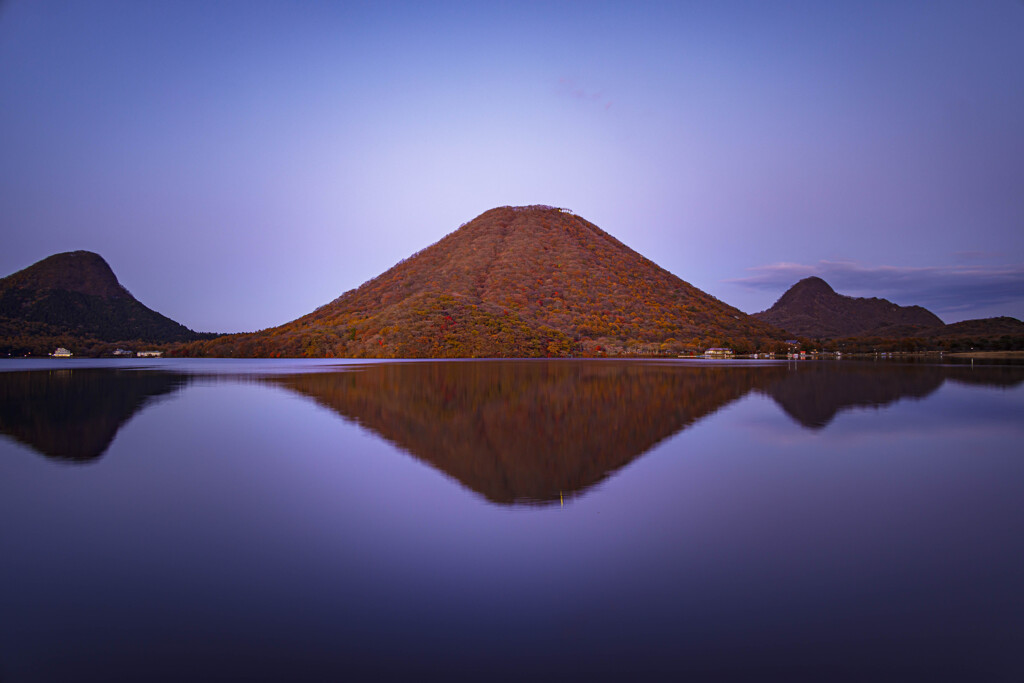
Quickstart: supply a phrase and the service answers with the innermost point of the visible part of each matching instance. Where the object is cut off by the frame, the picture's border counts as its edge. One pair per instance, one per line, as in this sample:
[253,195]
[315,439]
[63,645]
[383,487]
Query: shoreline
[987,354]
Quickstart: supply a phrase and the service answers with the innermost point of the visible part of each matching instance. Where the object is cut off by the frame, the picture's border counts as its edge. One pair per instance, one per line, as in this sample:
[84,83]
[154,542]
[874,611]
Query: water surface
[271,520]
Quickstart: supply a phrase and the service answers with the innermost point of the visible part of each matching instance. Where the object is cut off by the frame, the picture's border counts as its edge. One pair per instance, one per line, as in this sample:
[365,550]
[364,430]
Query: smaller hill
[76,295]
[986,334]
[984,327]
[811,308]
[84,272]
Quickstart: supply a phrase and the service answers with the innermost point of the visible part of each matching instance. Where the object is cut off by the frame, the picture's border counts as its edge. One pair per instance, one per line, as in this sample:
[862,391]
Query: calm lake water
[511,520]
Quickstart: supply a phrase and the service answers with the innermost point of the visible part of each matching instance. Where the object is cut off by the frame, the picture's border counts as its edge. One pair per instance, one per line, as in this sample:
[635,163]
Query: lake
[511,520]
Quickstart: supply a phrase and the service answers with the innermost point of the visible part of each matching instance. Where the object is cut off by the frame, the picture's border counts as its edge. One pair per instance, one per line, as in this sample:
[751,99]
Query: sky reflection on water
[240,528]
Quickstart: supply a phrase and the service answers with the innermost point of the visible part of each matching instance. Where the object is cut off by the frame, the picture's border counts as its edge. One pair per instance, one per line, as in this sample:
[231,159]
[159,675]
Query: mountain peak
[76,293]
[813,284]
[84,272]
[804,293]
[514,281]
[811,308]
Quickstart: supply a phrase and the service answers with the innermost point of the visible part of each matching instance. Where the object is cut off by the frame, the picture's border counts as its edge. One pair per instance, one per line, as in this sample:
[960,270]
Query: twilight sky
[239,163]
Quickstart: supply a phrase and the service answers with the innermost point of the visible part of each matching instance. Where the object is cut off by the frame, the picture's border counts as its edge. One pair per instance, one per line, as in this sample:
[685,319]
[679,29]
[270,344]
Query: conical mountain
[76,293]
[811,308]
[515,281]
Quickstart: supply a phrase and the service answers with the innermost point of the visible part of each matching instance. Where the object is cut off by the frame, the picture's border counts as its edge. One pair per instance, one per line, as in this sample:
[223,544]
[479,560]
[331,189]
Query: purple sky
[240,164]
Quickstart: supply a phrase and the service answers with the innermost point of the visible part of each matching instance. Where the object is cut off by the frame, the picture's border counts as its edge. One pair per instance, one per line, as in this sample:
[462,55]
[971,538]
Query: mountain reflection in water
[512,431]
[526,431]
[73,415]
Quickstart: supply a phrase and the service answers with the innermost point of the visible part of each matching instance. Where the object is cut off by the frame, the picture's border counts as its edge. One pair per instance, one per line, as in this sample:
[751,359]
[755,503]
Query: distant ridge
[514,281]
[982,327]
[811,308]
[76,294]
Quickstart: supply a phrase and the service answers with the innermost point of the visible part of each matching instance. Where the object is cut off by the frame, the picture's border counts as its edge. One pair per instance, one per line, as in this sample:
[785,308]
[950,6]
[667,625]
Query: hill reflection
[814,393]
[74,414]
[512,431]
[532,431]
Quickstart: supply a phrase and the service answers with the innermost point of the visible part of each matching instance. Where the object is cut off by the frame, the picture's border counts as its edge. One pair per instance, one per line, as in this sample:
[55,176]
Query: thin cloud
[568,87]
[943,289]
[974,256]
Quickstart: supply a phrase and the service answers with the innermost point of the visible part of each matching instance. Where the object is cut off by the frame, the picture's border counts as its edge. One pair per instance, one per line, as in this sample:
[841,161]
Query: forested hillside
[811,308]
[515,281]
[74,299]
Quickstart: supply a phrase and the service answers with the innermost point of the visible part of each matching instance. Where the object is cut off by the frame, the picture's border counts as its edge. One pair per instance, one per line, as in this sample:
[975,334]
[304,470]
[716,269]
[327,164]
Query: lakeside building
[149,354]
[719,352]
[61,352]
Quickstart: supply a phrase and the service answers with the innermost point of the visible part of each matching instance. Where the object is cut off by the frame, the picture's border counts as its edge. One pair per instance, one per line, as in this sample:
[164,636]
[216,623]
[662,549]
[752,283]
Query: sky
[239,164]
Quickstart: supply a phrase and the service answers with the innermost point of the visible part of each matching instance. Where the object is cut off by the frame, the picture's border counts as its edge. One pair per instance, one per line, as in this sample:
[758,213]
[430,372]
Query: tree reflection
[814,393]
[531,431]
[74,414]
[526,431]
[512,431]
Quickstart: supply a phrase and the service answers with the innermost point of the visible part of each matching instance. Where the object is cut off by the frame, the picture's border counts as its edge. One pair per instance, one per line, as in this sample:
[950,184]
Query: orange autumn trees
[515,281]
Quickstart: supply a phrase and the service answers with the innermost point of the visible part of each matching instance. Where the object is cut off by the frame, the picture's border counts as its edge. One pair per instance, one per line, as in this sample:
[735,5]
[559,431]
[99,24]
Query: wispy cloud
[950,290]
[975,256]
[569,87]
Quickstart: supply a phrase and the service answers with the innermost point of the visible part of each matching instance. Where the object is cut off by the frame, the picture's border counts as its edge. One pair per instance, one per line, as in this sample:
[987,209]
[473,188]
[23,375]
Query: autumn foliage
[514,282]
